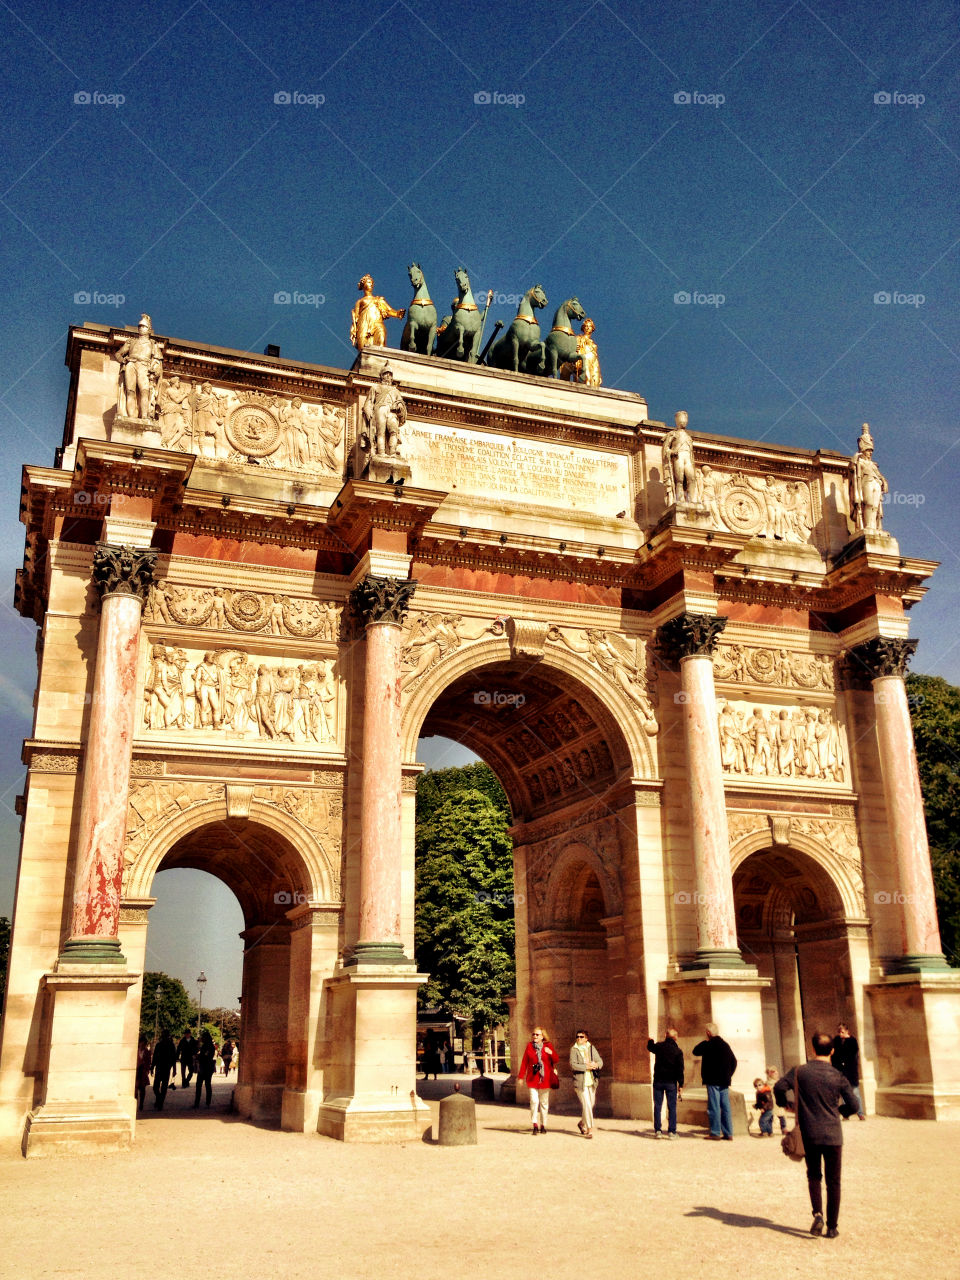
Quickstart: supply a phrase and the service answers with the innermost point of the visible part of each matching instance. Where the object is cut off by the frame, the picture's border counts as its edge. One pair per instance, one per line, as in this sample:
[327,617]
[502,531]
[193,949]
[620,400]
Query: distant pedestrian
[717,1065]
[164,1061]
[667,1080]
[846,1058]
[144,1056]
[431,1060]
[187,1052]
[817,1087]
[449,1059]
[585,1063]
[538,1069]
[226,1053]
[206,1055]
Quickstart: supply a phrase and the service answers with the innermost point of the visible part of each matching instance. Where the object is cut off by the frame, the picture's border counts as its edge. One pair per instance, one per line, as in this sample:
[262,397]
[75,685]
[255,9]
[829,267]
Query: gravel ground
[205,1194]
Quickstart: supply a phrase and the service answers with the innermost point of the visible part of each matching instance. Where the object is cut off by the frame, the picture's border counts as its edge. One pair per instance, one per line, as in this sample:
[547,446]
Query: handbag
[791,1144]
[555,1082]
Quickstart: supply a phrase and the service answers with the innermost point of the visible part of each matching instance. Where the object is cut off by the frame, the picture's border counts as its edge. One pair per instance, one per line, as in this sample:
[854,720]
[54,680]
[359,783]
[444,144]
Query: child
[764,1104]
[773,1075]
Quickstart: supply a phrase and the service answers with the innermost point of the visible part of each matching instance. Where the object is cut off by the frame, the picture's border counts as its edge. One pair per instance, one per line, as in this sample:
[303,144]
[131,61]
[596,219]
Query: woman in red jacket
[538,1068]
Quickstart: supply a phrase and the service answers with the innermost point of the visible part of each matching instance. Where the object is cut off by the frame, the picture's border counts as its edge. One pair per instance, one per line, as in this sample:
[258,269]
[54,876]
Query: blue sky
[783,186]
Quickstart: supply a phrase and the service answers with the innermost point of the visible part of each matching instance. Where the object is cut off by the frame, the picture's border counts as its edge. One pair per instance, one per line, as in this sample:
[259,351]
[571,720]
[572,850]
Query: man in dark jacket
[187,1052]
[667,1079]
[817,1088]
[164,1061]
[717,1065]
[846,1058]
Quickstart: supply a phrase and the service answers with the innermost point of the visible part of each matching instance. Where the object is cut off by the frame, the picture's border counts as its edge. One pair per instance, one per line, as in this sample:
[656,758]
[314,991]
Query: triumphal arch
[259,582]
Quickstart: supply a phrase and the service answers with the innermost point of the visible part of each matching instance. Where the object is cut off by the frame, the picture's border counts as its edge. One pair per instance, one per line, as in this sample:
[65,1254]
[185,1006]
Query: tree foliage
[935,710]
[464,929]
[177,1011]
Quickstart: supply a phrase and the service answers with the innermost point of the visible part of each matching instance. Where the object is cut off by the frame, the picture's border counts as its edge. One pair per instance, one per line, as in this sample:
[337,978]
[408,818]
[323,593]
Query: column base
[916,1020]
[729,997]
[372,1120]
[719,958]
[77,1128]
[379,953]
[919,963]
[91,951]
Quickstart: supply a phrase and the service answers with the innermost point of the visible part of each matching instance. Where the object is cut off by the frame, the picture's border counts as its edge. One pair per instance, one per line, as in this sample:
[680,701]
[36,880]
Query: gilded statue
[384,412]
[679,472]
[140,369]
[867,486]
[586,368]
[366,320]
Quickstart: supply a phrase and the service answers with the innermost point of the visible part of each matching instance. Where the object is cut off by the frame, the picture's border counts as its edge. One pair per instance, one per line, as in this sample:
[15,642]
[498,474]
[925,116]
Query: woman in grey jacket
[585,1062]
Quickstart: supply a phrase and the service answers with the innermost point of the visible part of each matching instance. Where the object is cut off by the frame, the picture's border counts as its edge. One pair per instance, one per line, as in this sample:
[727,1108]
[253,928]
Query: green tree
[464,929]
[935,710]
[176,1010]
[4,954]
[437,785]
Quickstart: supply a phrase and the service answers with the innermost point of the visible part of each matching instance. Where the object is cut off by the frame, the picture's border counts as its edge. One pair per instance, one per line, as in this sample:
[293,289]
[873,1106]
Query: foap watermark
[895,898]
[897,499]
[895,98]
[683,696]
[694,98]
[695,899]
[498,698]
[291,898]
[500,899]
[94,298]
[499,299]
[86,98]
[694,298]
[294,298]
[893,298]
[83,498]
[294,98]
[486,98]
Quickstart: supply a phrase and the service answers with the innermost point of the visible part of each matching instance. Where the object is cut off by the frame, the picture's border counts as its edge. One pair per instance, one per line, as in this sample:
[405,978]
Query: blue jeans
[670,1091]
[718,1111]
[766,1122]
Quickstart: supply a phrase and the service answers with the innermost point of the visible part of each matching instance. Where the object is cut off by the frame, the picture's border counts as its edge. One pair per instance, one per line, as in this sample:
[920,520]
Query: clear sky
[785,165]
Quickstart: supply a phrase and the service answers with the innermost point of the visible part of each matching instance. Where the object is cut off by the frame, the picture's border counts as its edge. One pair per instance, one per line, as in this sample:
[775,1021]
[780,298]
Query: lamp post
[201,983]
[156,1012]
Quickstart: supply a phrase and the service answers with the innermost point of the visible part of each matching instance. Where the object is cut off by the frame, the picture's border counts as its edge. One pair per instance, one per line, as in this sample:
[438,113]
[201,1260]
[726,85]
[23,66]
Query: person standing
[206,1056]
[667,1080]
[585,1062]
[717,1065]
[816,1088]
[144,1056]
[226,1053]
[846,1058]
[164,1061]
[186,1052]
[538,1068]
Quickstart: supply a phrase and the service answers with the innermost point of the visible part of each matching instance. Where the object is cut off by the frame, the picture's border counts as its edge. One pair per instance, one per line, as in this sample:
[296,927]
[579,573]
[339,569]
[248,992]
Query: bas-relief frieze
[621,659]
[802,743]
[55,762]
[241,696]
[741,664]
[255,428]
[429,637]
[250,612]
[481,464]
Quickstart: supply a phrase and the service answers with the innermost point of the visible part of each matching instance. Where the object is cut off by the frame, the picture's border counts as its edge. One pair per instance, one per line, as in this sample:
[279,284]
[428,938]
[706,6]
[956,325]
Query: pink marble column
[690,638]
[885,662]
[383,602]
[122,575]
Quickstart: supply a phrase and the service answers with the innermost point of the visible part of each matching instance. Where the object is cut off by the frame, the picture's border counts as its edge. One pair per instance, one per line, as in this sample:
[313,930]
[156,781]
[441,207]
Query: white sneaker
[671,1135]
[657,1133]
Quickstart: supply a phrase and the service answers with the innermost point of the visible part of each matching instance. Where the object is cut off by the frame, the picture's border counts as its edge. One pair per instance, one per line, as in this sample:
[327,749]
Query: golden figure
[366,320]
[587,348]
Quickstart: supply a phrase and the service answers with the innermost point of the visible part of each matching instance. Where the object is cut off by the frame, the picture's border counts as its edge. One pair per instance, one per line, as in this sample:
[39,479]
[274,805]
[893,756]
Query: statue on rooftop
[366,320]
[867,486]
[140,369]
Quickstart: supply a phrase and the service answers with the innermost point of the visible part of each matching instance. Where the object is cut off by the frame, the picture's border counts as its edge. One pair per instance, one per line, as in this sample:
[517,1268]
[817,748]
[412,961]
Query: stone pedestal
[916,1020]
[385,469]
[138,431]
[84,1110]
[377,1013]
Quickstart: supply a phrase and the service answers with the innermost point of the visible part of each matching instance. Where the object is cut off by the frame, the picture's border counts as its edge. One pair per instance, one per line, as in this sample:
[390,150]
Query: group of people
[198,1059]
[820,1093]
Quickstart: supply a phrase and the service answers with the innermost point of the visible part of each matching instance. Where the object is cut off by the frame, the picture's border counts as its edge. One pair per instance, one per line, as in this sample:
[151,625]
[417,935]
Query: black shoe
[816,1227]
[832,1233]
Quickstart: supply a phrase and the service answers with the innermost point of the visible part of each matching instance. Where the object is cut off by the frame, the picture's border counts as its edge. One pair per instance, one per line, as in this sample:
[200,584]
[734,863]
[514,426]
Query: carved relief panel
[804,744]
[746,664]
[250,612]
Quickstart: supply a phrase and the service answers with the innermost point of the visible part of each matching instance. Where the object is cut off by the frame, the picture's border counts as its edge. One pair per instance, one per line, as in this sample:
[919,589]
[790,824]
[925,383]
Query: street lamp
[201,983]
[156,1014]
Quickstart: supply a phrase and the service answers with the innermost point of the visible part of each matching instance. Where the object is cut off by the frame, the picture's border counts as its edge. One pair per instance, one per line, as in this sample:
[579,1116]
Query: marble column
[884,663]
[122,576]
[690,639]
[382,603]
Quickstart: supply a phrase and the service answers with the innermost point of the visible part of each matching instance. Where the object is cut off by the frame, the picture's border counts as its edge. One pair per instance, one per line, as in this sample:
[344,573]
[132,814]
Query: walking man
[164,1061]
[667,1080]
[817,1088]
[846,1058]
[186,1052]
[717,1065]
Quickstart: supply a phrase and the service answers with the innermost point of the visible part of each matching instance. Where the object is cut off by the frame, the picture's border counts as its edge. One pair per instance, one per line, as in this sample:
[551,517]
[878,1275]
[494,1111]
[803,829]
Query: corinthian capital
[382,599]
[123,571]
[881,656]
[690,635]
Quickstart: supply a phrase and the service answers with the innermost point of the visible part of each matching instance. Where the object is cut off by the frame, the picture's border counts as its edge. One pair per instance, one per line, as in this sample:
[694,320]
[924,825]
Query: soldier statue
[384,412]
[679,472]
[140,369]
[867,486]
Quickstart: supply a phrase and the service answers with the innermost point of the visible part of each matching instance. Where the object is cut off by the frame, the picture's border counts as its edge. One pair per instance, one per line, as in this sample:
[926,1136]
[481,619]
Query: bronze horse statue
[520,348]
[561,344]
[420,331]
[460,339]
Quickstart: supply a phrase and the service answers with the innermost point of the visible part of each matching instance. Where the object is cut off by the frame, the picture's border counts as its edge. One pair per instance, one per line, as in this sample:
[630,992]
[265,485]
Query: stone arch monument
[682,654]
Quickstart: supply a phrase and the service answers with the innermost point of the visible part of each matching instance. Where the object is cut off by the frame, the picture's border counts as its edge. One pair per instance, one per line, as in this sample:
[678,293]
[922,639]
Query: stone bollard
[482,1089]
[458,1120]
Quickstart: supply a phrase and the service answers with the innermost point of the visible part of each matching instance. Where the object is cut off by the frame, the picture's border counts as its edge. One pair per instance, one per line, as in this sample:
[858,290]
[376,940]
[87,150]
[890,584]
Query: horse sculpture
[420,331]
[520,348]
[561,344]
[460,339]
